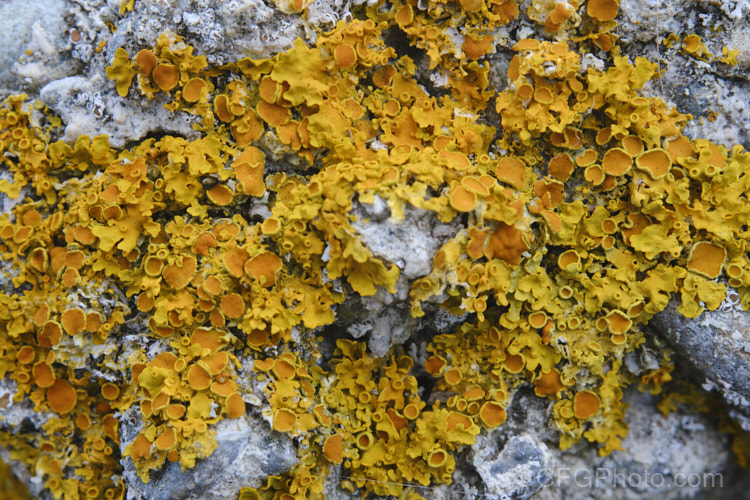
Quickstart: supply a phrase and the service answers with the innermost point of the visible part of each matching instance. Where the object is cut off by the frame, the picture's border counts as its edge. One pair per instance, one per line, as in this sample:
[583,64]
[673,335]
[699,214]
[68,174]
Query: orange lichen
[284,420]
[235,405]
[654,161]
[43,375]
[586,404]
[476,47]
[26,355]
[437,458]
[179,274]
[707,259]
[61,397]
[512,171]
[249,169]
[73,321]
[110,391]
[561,166]
[434,365]
[263,268]
[616,161]
[561,250]
[462,199]
[50,334]
[194,89]
[514,363]
[146,61]
[166,440]
[492,414]
[141,447]
[506,243]
[548,384]
[166,76]
[452,376]
[618,322]
[691,43]
[333,449]
[602,10]
[198,377]
[345,56]
[538,319]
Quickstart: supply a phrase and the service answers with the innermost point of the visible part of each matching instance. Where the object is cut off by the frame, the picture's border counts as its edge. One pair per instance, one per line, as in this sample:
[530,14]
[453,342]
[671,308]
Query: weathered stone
[715,346]
[248,451]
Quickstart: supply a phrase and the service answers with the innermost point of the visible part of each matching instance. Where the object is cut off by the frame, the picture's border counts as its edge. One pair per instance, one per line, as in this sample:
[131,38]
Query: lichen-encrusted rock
[659,456]
[225,30]
[520,457]
[717,346]
[222,31]
[410,244]
[88,106]
[19,420]
[518,469]
[248,451]
[701,83]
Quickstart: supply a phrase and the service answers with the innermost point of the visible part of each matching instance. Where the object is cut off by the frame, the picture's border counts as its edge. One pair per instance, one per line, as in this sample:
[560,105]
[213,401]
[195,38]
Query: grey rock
[88,103]
[18,419]
[37,51]
[223,31]
[715,93]
[680,455]
[91,106]
[714,345]
[410,243]
[248,451]
[519,470]
[522,457]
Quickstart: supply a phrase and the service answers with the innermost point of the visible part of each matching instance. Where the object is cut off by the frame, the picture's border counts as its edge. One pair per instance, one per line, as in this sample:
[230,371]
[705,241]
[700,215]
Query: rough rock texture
[658,454]
[20,419]
[677,456]
[89,104]
[715,93]
[520,469]
[410,243]
[717,346]
[220,29]
[36,47]
[89,107]
[248,451]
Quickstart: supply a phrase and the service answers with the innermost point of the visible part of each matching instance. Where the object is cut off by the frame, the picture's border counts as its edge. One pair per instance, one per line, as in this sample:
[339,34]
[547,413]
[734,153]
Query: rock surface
[248,451]
[37,46]
[717,346]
